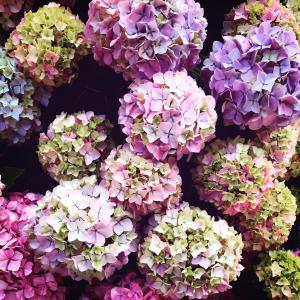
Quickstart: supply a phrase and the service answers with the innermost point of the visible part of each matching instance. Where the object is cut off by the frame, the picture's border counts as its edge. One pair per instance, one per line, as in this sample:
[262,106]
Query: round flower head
[294,5]
[189,254]
[256,77]
[142,185]
[167,116]
[279,270]
[232,175]
[251,14]
[20,276]
[280,145]
[270,226]
[11,12]
[140,38]
[48,45]
[80,233]
[19,110]
[75,145]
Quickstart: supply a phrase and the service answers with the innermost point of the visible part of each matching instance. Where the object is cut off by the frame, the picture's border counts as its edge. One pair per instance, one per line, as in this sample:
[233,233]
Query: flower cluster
[279,270]
[48,45]
[294,5]
[294,168]
[248,15]
[256,77]
[80,233]
[75,145]
[19,108]
[167,116]
[21,277]
[233,175]
[280,145]
[189,254]
[11,11]
[270,226]
[140,38]
[142,185]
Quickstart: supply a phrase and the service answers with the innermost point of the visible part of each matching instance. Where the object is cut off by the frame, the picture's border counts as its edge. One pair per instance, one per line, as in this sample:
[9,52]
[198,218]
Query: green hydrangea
[189,254]
[48,45]
[75,145]
[294,5]
[280,272]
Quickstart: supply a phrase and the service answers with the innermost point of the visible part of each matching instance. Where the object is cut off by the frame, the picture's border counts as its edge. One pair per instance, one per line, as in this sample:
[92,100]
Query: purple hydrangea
[256,77]
[140,38]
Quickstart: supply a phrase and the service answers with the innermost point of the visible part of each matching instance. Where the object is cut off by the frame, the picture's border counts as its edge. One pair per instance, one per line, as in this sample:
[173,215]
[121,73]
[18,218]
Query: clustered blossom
[270,226]
[233,175]
[167,116]
[75,145]
[256,77]
[20,276]
[279,271]
[80,233]
[142,185]
[251,14]
[48,45]
[189,254]
[19,108]
[129,287]
[11,12]
[294,168]
[140,38]
[280,145]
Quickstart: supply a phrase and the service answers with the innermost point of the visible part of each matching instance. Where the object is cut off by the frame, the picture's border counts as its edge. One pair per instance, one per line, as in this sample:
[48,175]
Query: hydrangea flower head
[75,145]
[169,115]
[142,185]
[80,233]
[19,109]
[256,77]
[280,145]
[189,254]
[252,13]
[279,270]
[269,227]
[48,45]
[142,37]
[232,175]
[294,167]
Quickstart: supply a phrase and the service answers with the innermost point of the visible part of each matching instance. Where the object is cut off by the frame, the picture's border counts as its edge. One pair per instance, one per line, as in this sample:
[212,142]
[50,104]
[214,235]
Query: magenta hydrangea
[142,185]
[256,77]
[169,115]
[20,276]
[140,38]
[252,13]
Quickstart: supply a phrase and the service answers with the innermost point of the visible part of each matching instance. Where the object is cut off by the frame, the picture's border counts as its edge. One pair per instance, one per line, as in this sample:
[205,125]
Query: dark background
[98,89]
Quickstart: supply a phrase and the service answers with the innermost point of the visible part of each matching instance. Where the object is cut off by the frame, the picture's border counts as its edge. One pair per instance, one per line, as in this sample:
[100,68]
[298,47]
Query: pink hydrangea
[140,38]
[168,115]
[142,185]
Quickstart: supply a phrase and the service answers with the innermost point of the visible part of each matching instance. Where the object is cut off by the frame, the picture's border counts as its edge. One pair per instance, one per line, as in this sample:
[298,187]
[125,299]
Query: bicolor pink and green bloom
[188,254]
[75,145]
[256,77]
[48,45]
[80,233]
[139,38]
[169,115]
[142,186]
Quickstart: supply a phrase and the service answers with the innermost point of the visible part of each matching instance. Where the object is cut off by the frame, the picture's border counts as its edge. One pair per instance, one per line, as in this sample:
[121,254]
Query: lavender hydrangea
[256,77]
[169,115]
[80,233]
[269,227]
[142,185]
[233,175]
[252,13]
[142,37]
[75,145]
[19,108]
[189,254]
